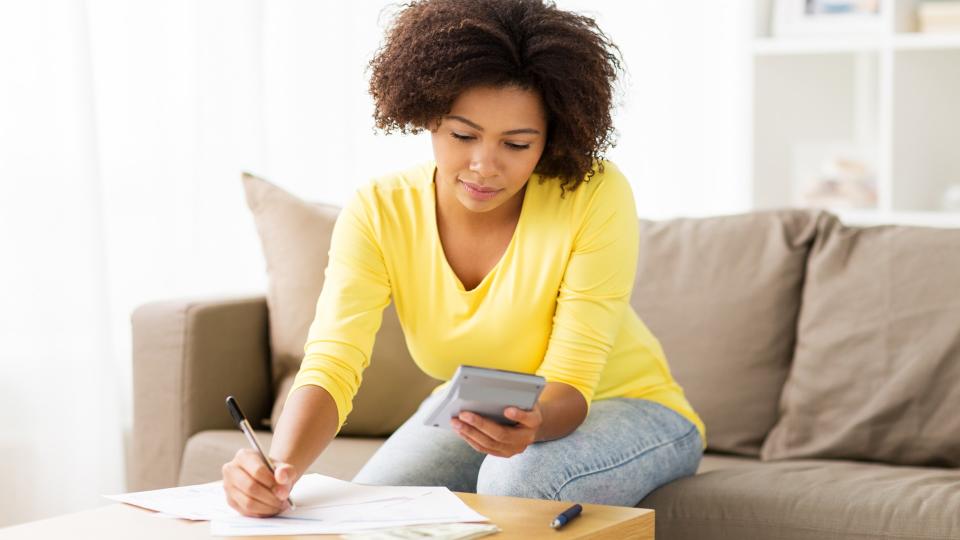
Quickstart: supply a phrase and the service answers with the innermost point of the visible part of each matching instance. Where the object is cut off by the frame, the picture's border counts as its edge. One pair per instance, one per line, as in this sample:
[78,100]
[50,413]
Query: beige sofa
[824,360]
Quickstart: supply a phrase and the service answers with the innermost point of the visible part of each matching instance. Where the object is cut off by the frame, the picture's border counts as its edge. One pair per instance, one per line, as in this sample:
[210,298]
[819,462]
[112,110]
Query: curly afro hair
[436,49]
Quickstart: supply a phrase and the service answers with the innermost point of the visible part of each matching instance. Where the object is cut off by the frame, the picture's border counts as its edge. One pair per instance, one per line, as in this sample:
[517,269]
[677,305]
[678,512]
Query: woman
[516,249]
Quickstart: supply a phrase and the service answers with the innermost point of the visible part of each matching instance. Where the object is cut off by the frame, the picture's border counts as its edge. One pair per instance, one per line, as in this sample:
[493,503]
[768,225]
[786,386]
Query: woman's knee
[523,475]
[549,472]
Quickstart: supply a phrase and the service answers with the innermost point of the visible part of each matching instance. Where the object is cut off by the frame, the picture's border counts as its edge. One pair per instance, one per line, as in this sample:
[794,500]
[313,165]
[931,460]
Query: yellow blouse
[556,304]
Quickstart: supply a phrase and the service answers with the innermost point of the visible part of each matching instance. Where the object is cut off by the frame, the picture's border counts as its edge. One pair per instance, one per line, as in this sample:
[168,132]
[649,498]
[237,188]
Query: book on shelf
[939,16]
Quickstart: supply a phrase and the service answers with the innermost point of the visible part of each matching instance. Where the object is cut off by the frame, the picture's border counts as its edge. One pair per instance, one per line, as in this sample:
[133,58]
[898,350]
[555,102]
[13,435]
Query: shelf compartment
[926,128]
[801,102]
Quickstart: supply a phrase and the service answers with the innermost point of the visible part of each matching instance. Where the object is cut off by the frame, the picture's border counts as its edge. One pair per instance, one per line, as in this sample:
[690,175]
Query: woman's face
[487,146]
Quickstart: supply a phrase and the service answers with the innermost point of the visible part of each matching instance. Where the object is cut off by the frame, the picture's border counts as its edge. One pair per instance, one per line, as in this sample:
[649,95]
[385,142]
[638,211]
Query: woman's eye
[512,146]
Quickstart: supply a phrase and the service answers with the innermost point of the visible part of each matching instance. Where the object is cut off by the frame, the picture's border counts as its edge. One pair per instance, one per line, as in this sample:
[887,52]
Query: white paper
[314,492]
[431,506]
[324,505]
[197,502]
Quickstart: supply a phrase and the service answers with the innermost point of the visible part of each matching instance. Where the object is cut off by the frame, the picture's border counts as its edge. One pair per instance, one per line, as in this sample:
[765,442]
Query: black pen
[566,516]
[244,425]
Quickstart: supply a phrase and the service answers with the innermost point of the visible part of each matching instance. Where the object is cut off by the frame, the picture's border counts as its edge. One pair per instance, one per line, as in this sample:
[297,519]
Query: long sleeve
[356,289]
[595,289]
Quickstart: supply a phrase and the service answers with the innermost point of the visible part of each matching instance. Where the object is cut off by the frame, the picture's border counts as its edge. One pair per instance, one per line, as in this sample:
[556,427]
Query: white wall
[124,127]
[684,116]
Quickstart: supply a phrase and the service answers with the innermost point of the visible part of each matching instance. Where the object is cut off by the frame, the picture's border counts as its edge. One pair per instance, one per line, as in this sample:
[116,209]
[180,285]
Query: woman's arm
[339,343]
[306,426]
[594,294]
[562,409]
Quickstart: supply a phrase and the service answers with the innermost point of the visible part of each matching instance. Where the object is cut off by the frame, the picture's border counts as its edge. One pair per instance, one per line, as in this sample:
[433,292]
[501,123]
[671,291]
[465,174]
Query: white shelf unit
[894,94]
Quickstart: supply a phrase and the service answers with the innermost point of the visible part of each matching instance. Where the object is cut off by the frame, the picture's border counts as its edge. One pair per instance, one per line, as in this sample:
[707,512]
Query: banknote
[441,531]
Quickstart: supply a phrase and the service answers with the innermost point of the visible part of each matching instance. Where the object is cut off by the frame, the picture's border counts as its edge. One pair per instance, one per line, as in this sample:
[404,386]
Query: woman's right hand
[250,487]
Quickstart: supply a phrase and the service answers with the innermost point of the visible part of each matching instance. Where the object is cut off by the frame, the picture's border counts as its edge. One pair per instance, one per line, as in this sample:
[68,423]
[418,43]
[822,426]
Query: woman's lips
[478,192]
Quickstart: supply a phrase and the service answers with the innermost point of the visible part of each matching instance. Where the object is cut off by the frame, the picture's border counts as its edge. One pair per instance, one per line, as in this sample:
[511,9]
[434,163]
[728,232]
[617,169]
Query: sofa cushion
[722,295]
[715,462]
[295,236]
[809,500]
[876,373]
[207,451]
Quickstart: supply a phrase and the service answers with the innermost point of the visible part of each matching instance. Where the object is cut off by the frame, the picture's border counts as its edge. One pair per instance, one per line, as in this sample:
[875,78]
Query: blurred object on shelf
[833,175]
[939,16]
[834,7]
[828,17]
[951,198]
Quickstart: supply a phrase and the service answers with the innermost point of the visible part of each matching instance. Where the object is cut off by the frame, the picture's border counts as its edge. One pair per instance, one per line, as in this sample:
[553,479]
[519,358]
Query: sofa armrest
[188,355]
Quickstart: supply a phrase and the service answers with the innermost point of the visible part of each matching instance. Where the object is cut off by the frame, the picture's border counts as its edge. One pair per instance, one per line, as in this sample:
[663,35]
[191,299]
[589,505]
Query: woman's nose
[483,162]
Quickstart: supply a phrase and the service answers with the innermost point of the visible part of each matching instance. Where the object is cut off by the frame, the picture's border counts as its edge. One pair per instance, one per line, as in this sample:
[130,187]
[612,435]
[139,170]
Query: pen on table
[244,425]
[566,516]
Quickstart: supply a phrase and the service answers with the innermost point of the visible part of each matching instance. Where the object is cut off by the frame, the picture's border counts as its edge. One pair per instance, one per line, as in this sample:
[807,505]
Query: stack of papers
[324,505]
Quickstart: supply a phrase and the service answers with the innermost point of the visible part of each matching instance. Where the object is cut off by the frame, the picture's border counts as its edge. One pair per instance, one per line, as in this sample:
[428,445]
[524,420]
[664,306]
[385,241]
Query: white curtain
[124,126]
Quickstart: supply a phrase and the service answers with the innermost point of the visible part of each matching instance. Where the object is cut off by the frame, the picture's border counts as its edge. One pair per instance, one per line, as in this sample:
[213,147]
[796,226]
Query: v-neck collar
[435,226]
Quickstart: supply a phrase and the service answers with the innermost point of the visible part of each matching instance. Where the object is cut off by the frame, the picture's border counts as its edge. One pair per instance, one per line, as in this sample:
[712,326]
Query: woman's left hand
[490,437]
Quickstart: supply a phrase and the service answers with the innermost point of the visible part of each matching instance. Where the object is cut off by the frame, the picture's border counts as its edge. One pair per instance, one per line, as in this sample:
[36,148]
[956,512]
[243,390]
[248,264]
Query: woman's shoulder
[413,178]
[395,198]
[606,182]
[606,177]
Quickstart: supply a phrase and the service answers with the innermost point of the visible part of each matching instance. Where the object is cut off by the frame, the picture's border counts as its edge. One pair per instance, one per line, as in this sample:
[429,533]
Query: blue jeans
[625,449]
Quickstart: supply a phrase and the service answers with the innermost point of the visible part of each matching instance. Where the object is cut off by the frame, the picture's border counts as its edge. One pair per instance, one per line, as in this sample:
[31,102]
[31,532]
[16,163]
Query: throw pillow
[876,373]
[722,295]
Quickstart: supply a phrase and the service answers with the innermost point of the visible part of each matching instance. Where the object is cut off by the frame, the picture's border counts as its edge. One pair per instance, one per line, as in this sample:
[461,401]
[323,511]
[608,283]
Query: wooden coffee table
[520,519]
